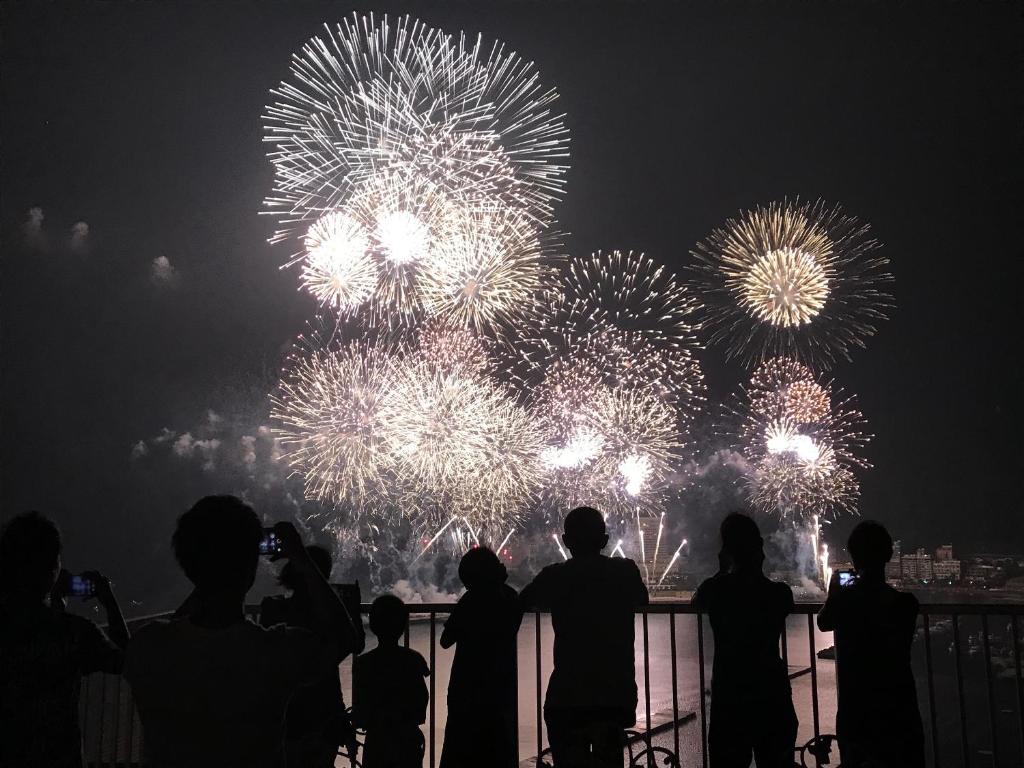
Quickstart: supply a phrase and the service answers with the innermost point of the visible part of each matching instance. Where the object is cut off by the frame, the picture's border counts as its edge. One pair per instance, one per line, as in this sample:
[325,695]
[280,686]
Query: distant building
[946,567]
[979,573]
[918,567]
[894,569]
[945,552]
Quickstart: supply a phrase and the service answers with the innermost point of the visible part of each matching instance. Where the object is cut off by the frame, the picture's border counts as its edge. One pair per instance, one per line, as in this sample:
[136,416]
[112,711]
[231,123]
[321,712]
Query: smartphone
[81,586]
[847,578]
[270,544]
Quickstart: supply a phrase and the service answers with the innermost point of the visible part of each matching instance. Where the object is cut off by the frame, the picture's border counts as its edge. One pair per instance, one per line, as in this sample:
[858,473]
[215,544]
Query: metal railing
[972,697]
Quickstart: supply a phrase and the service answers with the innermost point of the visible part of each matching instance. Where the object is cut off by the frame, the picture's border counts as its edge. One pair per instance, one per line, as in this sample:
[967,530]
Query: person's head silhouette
[389,617]
[289,577]
[217,545]
[584,532]
[481,568]
[30,548]
[870,547]
[742,545]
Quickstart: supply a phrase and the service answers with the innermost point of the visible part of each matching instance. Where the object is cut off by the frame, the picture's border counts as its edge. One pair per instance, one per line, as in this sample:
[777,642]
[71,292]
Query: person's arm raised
[827,616]
[329,613]
[117,628]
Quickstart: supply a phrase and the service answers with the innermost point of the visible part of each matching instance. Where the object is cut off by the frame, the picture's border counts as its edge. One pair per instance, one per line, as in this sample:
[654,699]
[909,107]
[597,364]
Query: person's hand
[103,591]
[292,547]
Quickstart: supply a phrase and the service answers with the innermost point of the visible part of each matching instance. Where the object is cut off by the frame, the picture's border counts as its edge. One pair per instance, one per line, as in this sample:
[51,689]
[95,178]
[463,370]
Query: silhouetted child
[389,695]
[481,727]
[45,652]
[316,723]
[878,722]
[751,702]
[592,694]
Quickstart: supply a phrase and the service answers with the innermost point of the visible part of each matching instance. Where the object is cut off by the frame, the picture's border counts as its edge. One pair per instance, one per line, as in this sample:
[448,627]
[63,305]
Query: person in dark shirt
[592,693]
[878,722]
[45,652]
[212,687]
[752,712]
[316,723]
[481,727]
[389,695]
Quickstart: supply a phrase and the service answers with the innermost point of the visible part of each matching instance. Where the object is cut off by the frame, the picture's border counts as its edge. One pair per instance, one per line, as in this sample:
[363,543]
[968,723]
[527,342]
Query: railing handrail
[686,607]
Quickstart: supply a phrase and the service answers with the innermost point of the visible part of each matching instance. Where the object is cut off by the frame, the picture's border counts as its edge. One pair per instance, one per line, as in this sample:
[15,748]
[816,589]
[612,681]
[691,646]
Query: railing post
[960,691]
[647,680]
[675,681]
[990,688]
[540,712]
[1020,683]
[703,703]
[433,685]
[814,677]
[931,690]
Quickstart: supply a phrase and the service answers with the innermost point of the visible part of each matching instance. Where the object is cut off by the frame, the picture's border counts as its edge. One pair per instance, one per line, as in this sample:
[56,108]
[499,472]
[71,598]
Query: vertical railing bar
[1020,682]
[960,691]
[540,714]
[675,681]
[103,706]
[703,703]
[814,678]
[84,696]
[130,738]
[990,688]
[117,718]
[515,711]
[433,685]
[784,646]
[931,689]
[647,681]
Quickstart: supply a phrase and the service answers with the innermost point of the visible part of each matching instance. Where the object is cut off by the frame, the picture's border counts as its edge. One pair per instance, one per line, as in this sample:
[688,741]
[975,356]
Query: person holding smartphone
[878,721]
[212,687]
[44,651]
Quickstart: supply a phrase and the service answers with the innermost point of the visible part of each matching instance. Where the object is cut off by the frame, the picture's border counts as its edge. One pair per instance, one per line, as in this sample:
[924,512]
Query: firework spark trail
[618,548]
[504,541]
[436,536]
[671,562]
[643,555]
[657,542]
[799,280]
[558,543]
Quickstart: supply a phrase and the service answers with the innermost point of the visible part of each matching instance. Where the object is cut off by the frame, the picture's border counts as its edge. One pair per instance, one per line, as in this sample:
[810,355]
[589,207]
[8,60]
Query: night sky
[142,120]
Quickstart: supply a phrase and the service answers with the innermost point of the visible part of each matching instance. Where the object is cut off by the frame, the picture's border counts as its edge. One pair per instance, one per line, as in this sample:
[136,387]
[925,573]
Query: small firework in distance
[801,444]
[801,280]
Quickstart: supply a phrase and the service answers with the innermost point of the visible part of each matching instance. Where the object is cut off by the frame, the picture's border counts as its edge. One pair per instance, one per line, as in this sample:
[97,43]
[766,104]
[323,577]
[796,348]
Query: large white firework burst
[462,446]
[802,441]
[802,280]
[330,419]
[488,272]
[371,96]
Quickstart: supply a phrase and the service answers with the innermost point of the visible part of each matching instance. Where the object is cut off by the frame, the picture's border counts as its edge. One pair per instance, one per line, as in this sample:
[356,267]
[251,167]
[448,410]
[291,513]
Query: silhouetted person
[752,711]
[878,722]
[316,723]
[592,693]
[211,687]
[481,727]
[389,695]
[45,652]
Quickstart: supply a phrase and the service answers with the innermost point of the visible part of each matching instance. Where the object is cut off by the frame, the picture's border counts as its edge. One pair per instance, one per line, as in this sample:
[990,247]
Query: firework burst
[331,423]
[801,441]
[630,321]
[800,280]
[370,96]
